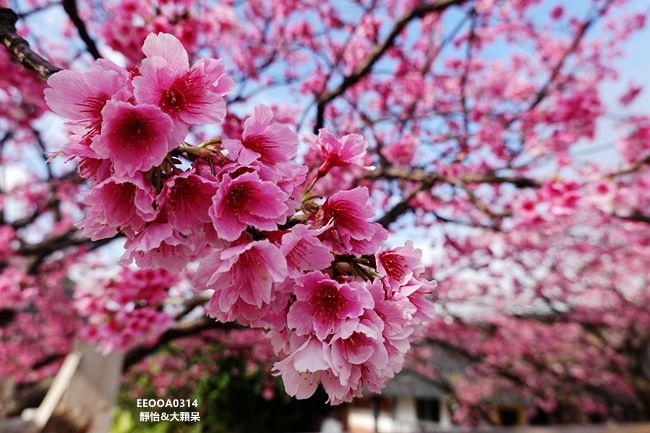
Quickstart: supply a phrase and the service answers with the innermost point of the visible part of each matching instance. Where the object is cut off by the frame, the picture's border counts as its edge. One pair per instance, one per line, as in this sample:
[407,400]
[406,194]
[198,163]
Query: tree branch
[181,330]
[55,243]
[70,8]
[636,216]
[419,175]
[377,53]
[400,208]
[19,47]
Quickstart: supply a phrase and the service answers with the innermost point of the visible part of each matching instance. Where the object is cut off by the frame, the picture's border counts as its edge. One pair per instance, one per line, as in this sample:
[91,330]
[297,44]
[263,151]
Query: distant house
[412,403]
[408,404]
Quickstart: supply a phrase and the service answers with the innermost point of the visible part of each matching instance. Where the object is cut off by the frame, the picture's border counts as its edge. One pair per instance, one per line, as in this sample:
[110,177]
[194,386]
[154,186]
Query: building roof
[412,384]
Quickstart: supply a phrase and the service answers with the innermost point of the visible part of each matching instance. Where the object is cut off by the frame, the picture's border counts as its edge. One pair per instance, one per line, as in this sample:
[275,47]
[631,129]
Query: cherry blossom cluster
[133,20]
[125,311]
[347,335]
[20,96]
[240,215]
[25,299]
[15,289]
[554,198]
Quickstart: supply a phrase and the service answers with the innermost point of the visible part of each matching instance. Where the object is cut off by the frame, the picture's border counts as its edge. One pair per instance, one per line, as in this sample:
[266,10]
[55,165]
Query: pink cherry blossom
[399,265]
[186,199]
[192,96]
[118,204]
[403,151]
[535,241]
[81,96]
[349,150]
[246,200]
[358,358]
[301,371]
[124,311]
[11,293]
[263,139]
[304,251]
[351,231]
[135,137]
[148,286]
[128,328]
[243,273]
[323,305]
[7,235]
[158,245]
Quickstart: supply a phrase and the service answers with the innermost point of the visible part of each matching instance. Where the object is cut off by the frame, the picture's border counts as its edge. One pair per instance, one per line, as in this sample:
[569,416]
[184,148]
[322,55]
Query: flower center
[394,264]
[172,100]
[134,130]
[328,299]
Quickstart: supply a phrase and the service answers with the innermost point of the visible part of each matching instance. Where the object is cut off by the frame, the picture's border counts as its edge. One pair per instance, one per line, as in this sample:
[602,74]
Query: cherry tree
[265,164]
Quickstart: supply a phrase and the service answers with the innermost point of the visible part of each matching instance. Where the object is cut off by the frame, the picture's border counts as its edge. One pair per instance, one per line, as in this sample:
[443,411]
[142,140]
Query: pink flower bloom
[403,151]
[341,152]
[11,294]
[118,205]
[289,177]
[192,96]
[94,169]
[419,294]
[169,49]
[563,196]
[557,12]
[135,138]
[81,96]
[159,246]
[144,285]
[395,311]
[351,231]
[263,139]
[397,314]
[246,200]
[630,95]
[323,305]
[244,273]
[7,235]
[186,199]
[304,251]
[399,265]
[302,369]
[128,328]
[357,358]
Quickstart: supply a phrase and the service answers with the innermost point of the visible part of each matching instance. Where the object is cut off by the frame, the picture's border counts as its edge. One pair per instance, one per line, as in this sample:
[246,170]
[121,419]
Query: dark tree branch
[70,8]
[636,216]
[399,209]
[428,180]
[58,242]
[181,330]
[36,10]
[419,175]
[19,47]
[377,53]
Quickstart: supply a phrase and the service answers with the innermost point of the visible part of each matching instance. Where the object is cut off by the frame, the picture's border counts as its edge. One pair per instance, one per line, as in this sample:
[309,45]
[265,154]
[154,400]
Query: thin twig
[70,8]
